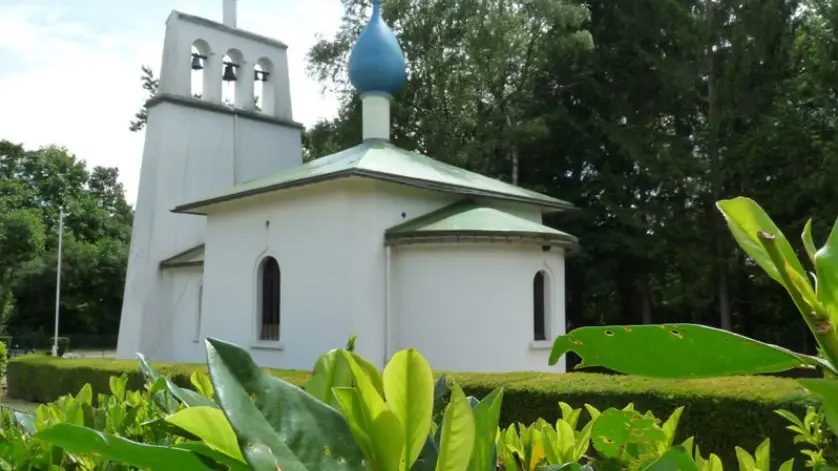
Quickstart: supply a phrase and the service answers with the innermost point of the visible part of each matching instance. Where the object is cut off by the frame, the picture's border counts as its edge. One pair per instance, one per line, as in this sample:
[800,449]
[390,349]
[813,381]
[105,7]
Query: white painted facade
[467,305]
[193,148]
[328,240]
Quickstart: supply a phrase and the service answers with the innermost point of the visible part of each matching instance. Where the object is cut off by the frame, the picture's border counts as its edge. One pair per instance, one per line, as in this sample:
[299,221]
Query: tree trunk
[646,300]
[513,152]
[715,177]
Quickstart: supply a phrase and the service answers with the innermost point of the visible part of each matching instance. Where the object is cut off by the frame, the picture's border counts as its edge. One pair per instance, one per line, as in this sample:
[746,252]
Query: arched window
[270,297]
[540,306]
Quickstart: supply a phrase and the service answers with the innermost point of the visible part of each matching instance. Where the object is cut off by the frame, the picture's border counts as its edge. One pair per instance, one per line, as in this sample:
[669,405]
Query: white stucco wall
[189,153]
[329,241]
[182,288]
[306,230]
[469,307]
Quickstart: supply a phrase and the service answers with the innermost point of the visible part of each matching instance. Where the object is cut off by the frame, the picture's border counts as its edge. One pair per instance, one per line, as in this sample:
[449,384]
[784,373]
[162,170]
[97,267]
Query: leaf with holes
[615,430]
[677,351]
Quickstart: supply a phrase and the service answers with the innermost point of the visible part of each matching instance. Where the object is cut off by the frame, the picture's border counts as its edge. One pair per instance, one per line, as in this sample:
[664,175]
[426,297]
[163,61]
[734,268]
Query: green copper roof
[469,219]
[187,258]
[381,160]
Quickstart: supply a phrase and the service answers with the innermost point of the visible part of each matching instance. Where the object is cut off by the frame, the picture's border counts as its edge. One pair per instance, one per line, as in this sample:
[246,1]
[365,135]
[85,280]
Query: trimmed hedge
[720,413]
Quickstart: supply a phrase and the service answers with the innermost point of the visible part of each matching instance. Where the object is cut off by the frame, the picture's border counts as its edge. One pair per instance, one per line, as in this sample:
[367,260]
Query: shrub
[4,356]
[719,412]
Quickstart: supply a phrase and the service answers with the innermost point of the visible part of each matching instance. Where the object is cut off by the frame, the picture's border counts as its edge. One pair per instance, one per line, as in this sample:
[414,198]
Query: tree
[35,184]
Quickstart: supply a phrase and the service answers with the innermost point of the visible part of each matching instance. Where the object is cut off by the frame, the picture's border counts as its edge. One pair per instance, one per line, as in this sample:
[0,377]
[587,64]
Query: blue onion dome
[376,63]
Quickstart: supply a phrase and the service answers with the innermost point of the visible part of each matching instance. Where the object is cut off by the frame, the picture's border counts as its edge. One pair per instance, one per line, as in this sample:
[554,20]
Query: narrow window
[270,300]
[539,307]
[200,309]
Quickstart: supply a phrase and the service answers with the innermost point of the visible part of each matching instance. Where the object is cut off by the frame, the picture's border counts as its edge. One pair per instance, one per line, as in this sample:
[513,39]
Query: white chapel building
[236,238]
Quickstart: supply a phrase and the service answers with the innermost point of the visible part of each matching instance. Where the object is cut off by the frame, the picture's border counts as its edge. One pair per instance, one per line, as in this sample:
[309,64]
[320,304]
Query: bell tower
[196,144]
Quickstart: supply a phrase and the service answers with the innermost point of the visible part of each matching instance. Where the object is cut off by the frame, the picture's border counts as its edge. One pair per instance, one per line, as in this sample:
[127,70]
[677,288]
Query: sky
[70,69]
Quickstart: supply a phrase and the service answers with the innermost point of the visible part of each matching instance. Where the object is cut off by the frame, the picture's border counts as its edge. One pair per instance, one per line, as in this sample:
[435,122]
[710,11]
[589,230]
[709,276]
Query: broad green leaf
[671,425]
[83,440]
[351,405]
[826,265]
[409,389]
[85,395]
[676,458]
[383,427]
[746,461]
[210,425]
[204,450]
[25,420]
[746,218]
[762,455]
[370,371]
[428,457]
[564,467]
[827,390]
[712,463]
[330,371]
[486,419]
[457,439]
[300,431]
[188,397]
[202,383]
[677,351]
[808,242]
[787,465]
[260,458]
[440,392]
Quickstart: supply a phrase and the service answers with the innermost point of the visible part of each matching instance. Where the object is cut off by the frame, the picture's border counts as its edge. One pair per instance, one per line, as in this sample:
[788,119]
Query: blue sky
[69,69]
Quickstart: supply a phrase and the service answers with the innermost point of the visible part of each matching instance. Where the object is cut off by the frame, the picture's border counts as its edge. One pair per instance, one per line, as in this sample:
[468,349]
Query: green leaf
[188,397]
[827,390]
[370,371]
[458,433]
[202,383]
[330,371]
[826,265]
[677,351]
[82,440]
[762,455]
[383,427]
[428,456]
[409,389]
[746,218]
[676,458]
[486,419]
[300,431]
[349,401]
[808,242]
[746,461]
[210,425]
[615,429]
[204,450]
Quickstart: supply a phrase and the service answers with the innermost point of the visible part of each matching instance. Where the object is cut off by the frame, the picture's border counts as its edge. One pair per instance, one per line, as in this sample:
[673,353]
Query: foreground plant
[695,351]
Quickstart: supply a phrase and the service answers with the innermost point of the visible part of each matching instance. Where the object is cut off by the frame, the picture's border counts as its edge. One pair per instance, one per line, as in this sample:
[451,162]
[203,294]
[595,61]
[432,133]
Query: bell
[196,62]
[229,73]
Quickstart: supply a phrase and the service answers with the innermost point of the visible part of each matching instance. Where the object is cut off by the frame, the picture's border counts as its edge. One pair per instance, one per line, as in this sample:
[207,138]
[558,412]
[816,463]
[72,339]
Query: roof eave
[200,207]
[420,236]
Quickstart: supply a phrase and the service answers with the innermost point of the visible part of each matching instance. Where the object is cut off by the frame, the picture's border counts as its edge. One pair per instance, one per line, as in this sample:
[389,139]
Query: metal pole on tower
[230,13]
[58,280]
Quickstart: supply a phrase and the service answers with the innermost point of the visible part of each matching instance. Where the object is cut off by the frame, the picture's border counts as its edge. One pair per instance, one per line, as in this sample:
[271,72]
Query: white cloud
[75,82]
